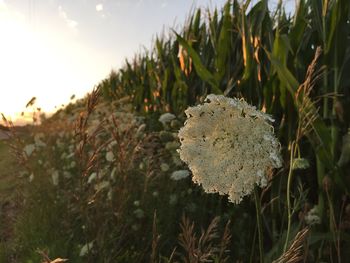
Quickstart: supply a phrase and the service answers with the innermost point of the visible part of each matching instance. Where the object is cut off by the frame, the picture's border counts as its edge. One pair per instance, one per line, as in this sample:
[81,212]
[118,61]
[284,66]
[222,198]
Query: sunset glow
[42,64]
[54,49]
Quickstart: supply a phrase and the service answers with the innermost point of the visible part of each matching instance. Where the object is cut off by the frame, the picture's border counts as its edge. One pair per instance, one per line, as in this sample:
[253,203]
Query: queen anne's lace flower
[312,217]
[229,146]
[180,174]
[166,118]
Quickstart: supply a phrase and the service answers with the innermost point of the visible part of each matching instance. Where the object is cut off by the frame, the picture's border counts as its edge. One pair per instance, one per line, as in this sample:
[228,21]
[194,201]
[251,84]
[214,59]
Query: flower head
[180,174]
[166,118]
[313,217]
[229,146]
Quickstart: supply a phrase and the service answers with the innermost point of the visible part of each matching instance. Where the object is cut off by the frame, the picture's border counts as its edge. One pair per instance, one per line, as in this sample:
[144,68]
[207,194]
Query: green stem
[258,219]
[320,175]
[289,209]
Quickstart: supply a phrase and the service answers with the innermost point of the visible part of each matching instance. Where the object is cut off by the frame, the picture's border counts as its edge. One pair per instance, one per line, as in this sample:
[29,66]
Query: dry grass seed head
[294,254]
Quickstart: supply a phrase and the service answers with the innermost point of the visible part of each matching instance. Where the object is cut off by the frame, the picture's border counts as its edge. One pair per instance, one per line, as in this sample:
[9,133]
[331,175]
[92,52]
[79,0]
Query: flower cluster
[229,146]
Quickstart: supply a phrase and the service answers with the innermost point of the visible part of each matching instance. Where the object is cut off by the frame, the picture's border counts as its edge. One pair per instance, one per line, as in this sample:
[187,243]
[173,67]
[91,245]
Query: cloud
[99,7]
[70,22]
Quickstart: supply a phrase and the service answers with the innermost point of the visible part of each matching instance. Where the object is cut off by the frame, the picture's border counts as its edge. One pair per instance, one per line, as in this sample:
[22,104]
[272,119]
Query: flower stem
[258,219]
[289,209]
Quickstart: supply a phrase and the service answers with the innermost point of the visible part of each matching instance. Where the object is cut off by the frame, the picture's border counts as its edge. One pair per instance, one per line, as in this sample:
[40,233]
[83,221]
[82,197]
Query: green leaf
[345,150]
[202,72]
[223,49]
[247,47]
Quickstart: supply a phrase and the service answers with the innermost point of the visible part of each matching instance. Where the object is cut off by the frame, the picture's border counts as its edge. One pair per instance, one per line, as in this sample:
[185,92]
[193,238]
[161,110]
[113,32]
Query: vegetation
[102,184]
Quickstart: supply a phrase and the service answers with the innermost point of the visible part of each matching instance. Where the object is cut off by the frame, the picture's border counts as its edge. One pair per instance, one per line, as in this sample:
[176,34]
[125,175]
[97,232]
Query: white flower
[114,174]
[110,156]
[73,164]
[38,141]
[312,217]
[55,178]
[85,249]
[29,149]
[180,174]
[102,185]
[166,118]
[139,213]
[229,146]
[31,177]
[111,145]
[67,174]
[164,167]
[141,129]
[92,177]
[300,163]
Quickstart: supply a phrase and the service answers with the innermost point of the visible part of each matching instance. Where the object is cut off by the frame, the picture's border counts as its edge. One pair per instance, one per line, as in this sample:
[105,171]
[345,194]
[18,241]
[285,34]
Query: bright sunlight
[36,62]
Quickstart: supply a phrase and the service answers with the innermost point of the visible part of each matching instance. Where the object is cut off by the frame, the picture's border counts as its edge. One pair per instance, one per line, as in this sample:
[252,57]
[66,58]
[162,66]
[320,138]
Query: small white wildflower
[155,194]
[111,145]
[110,194]
[31,177]
[69,155]
[110,156]
[172,146]
[85,249]
[139,213]
[38,140]
[140,131]
[102,185]
[300,163]
[55,178]
[164,167]
[73,164]
[114,173]
[176,159]
[71,147]
[23,174]
[29,149]
[166,118]
[312,217]
[142,166]
[229,146]
[67,174]
[92,177]
[137,203]
[180,174]
[63,156]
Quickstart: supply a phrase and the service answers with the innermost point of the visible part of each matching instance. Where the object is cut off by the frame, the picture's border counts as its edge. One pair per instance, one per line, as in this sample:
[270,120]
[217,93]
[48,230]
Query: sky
[52,49]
